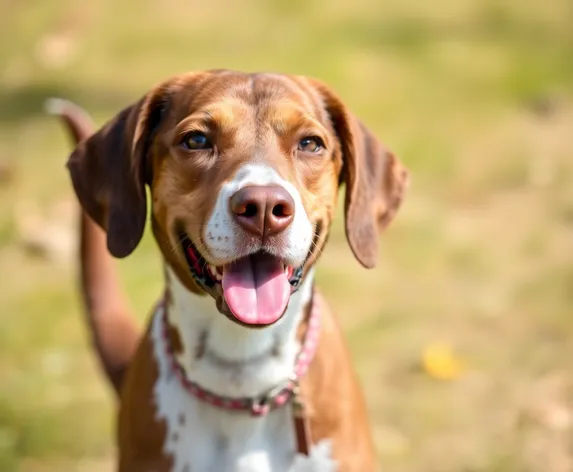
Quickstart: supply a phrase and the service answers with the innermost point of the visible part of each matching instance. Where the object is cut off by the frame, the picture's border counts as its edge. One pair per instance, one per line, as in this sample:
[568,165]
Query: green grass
[480,258]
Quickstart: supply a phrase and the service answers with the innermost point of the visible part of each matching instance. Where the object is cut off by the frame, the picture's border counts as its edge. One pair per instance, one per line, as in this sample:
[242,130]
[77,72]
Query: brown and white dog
[243,173]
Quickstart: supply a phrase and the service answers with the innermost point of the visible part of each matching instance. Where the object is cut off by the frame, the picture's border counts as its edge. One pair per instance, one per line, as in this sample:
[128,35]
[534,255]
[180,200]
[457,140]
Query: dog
[242,366]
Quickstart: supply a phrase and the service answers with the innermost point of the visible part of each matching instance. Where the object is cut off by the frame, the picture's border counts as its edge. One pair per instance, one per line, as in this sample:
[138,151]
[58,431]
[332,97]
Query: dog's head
[243,171]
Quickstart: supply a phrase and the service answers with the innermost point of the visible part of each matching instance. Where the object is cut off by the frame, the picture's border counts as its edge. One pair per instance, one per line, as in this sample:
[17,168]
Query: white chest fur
[236,362]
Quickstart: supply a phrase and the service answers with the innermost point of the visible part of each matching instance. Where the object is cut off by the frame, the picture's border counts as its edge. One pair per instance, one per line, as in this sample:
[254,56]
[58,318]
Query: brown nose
[263,211]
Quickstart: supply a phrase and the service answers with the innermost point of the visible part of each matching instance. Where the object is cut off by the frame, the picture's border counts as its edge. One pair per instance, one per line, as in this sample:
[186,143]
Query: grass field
[475,97]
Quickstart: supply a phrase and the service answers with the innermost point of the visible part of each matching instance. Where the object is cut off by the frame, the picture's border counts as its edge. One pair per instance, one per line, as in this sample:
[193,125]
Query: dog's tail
[112,326]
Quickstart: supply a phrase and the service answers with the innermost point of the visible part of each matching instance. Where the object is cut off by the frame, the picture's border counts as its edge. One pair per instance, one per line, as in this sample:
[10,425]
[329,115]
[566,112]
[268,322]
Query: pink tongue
[256,289]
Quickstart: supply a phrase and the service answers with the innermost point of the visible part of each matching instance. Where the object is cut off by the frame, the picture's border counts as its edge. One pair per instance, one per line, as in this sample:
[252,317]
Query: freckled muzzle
[254,287]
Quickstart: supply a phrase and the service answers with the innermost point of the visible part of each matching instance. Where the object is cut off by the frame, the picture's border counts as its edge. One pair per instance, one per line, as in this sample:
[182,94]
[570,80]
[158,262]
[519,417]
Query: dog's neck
[226,358]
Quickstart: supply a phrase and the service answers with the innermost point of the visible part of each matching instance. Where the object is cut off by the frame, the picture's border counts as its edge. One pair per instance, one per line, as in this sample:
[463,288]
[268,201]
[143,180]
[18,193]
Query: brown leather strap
[301,425]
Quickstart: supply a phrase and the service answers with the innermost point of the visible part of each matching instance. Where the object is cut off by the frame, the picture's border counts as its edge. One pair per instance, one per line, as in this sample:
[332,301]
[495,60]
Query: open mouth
[256,288]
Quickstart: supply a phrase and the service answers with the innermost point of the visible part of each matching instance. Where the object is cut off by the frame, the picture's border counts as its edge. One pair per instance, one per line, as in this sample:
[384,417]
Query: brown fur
[140,435]
[334,401]
[255,118]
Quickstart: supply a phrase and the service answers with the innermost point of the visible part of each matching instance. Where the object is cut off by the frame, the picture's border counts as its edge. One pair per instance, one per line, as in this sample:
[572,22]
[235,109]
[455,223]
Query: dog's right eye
[196,141]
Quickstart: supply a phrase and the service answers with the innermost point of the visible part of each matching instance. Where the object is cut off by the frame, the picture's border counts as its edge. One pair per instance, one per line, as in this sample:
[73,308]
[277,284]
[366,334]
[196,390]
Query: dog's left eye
[310,144]
[195,141]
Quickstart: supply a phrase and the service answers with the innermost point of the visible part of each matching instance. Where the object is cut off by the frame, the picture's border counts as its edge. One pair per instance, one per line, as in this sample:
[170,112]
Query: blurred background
[463,336]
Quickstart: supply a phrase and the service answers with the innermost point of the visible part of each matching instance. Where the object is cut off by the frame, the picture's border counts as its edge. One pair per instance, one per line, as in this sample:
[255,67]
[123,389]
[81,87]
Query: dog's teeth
[215,272]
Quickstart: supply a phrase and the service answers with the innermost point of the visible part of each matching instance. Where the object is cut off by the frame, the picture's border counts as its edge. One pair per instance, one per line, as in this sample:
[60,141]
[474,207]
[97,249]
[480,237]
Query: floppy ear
[109,171]
[375,180]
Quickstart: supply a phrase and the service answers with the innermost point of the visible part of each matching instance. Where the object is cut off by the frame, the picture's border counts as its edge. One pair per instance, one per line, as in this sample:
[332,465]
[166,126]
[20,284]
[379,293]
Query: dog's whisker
[175,246]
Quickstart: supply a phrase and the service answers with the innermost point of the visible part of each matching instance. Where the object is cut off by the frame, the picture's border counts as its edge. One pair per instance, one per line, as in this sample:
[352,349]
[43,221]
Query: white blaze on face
[256,288]
[222,234]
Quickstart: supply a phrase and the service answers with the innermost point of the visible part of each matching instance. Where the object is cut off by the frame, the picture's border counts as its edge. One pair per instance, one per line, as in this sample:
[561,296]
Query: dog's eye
[310,144]
[195,141]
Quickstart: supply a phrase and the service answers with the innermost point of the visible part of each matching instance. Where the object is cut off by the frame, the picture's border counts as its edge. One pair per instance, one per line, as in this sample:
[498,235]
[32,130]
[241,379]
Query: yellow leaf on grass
[440,362]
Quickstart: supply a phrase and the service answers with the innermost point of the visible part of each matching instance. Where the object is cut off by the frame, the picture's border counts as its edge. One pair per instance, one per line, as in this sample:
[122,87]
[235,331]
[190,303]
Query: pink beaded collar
[260,405]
